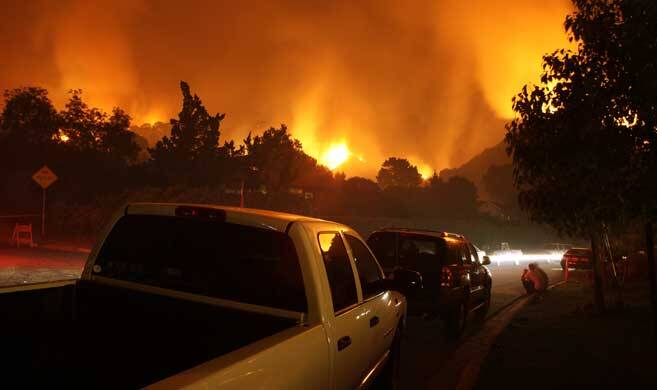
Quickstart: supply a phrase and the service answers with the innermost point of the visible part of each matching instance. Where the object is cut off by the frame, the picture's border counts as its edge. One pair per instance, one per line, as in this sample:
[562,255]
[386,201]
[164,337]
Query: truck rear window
[211,258]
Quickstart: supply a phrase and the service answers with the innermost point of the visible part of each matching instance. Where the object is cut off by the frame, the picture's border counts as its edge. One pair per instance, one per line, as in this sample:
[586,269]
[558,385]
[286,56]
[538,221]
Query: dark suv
[450,279]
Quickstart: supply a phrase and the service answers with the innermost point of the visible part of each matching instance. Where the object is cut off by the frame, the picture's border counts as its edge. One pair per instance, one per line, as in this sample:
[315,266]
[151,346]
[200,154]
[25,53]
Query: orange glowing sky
[356,81]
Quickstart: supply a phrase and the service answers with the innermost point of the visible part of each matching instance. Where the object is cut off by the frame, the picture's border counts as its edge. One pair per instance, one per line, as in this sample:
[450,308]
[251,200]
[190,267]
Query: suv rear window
[420,253]
[211,258]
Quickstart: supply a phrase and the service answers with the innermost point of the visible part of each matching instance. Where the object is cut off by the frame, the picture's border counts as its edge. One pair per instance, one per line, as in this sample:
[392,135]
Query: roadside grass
[559,342]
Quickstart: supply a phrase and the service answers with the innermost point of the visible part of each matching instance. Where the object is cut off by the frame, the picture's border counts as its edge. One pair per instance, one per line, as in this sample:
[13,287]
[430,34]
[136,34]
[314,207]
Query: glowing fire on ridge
[152,117]
[336,155]
[425,171]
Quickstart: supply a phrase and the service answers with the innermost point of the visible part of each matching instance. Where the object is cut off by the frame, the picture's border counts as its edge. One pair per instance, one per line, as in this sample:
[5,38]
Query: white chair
[22,235]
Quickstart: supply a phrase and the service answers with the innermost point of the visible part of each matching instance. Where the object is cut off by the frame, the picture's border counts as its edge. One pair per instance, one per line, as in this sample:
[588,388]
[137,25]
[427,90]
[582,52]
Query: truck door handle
[344,342]
[374,321]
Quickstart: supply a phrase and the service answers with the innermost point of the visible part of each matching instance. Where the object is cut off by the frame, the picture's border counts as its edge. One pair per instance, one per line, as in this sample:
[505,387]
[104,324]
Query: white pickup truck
[205,297]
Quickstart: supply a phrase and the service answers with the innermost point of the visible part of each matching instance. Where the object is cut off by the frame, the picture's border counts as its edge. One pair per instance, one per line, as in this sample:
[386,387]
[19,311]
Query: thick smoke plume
[428,80]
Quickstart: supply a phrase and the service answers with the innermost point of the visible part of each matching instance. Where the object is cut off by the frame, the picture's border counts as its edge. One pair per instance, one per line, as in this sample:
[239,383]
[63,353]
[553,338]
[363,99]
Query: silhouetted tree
[434,180]
[91,130]
[361,196]
[28,117]
[619,37]
[116,140]
[340,178]
[28,129]
[82,124]
[89,150]
[398,173]
[192,151]
[99,150]
[275,159]
[315,177]
[142,144]
[583,138]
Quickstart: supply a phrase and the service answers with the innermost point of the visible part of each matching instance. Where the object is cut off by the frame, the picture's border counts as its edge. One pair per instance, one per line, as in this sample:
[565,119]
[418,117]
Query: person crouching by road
[534,279]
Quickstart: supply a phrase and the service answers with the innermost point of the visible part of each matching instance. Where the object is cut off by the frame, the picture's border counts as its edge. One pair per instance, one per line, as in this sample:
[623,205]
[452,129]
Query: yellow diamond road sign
[44,177]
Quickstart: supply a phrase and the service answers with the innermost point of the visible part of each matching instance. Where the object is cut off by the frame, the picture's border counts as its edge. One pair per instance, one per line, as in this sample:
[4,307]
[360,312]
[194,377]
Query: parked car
[447,275]
[578,258]
[199,297]
[480,252]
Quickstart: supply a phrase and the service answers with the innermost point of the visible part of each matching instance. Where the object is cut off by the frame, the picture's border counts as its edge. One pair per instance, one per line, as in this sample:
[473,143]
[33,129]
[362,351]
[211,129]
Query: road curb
[462,370]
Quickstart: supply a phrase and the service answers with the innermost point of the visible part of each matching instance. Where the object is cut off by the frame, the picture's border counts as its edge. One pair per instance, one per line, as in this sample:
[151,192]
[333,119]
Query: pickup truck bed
[96,336]
[202,296]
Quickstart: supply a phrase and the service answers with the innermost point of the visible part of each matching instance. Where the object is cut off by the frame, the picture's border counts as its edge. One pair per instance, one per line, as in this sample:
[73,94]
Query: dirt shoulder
[560,343]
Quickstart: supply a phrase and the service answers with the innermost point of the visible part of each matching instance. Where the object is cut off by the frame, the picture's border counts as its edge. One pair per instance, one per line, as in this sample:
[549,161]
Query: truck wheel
[389,379]
[457,321]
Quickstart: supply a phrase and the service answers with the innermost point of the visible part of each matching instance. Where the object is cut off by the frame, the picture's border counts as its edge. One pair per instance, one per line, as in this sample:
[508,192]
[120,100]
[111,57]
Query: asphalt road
[425,347]
[506,282]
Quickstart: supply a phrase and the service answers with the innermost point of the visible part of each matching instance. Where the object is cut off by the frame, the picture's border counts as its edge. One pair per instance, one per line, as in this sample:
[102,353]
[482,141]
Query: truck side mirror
[405,281]
[486,260]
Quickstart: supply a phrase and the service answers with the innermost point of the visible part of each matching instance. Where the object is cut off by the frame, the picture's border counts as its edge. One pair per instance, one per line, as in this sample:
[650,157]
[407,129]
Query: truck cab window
[383,246]
[338,270]
[369,272]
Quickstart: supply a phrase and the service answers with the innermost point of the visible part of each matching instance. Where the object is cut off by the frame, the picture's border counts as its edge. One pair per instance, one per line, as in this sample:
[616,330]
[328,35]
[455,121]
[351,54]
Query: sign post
[44,178]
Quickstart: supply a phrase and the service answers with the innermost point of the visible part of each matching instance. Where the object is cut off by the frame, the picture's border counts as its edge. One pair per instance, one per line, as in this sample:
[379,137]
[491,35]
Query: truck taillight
[446,277]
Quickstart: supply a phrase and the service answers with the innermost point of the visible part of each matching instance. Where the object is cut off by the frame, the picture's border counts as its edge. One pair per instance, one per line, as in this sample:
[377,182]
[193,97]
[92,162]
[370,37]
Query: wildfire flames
[335,156]
[425,171]
[428,80]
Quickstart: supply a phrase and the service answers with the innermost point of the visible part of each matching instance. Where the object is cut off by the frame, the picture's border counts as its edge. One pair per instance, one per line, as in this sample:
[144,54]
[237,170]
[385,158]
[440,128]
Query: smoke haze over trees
[369,72]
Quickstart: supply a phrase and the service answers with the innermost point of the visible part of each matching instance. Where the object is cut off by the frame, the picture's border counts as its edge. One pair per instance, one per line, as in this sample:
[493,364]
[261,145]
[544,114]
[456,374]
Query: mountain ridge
[475,168]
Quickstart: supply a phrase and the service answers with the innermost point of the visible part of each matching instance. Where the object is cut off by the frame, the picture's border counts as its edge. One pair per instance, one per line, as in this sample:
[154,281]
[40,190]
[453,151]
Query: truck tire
[457,320]
[389,379]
